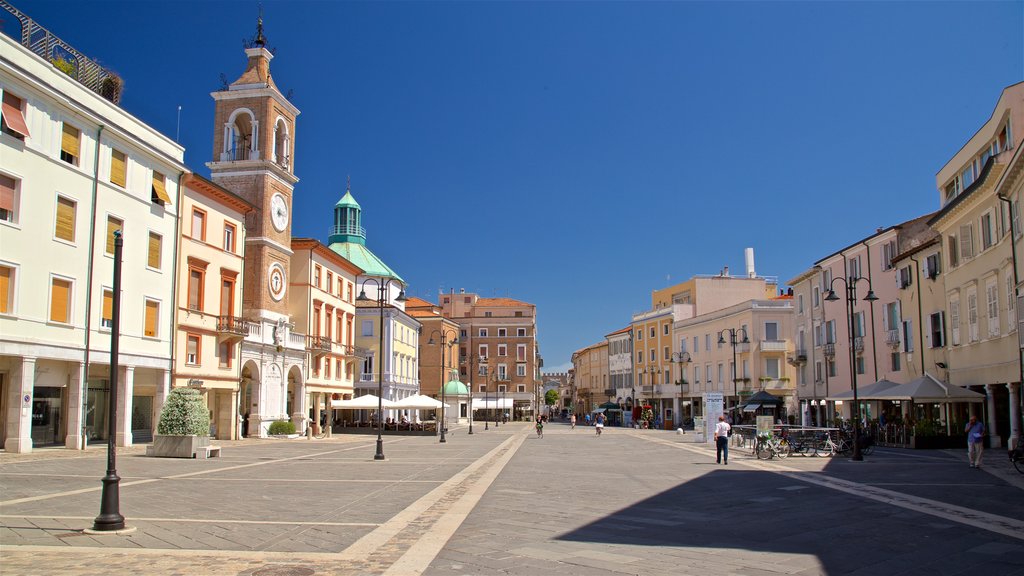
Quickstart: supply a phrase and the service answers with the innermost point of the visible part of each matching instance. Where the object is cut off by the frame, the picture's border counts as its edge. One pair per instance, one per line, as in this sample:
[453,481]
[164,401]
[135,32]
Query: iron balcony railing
[830,350]
[892,338]
[347,229]
[232,325]
[858,344]
[318,344]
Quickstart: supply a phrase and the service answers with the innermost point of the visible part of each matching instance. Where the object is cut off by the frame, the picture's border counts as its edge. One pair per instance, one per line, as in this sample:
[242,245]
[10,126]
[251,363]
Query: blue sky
[578,155]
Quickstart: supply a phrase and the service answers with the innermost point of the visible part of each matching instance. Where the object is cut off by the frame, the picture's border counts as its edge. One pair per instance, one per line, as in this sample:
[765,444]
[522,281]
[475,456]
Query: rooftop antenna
[177,131]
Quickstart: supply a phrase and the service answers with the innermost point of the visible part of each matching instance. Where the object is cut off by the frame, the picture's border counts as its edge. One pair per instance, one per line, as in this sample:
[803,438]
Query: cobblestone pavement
[503,501]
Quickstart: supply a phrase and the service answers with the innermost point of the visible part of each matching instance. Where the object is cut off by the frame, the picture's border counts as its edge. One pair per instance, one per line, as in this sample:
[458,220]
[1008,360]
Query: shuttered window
[60,300]
[107,317]
[13,119]
[195,289]
[227,297]
[113,225]
[155,244]
[152,317]
[69,144]
[160,194]
[192,350]
[198,225]
[6,289]
[8,198]
[64,227]
[118,168]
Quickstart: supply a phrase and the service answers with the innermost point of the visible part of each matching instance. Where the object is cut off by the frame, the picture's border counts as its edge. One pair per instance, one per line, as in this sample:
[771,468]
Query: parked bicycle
[769,447]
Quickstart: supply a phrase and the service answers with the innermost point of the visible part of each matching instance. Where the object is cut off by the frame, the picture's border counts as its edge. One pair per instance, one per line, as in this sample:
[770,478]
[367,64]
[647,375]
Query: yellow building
[209,327]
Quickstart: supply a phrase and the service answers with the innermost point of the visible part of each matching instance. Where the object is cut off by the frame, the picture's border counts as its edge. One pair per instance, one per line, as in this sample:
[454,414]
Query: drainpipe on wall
[174,297]
[871,308]
[920,314]
[1016,279]
[84,384]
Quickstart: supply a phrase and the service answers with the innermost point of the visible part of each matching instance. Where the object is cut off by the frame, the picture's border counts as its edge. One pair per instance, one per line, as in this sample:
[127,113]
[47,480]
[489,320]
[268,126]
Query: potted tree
[184,428]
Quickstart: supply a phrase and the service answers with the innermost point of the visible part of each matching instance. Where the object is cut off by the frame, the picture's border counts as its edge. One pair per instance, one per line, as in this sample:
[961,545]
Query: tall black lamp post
[681,359]
[734,340]
[851,298]
[382,299]
[446,346]
[110,517]
[472,359]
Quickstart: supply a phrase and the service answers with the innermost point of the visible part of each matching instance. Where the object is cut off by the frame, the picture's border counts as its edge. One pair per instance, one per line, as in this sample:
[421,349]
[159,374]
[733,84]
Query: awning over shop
[928,389]
[491,403]
[364,402]
[866,392]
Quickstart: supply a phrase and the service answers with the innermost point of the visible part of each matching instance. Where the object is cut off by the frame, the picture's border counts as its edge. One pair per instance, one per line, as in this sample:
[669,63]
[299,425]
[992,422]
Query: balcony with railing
[318,345]
[232,327]
[799,358]
[347,230]
[773,345]
[829,350]
[858,344]
[892,338]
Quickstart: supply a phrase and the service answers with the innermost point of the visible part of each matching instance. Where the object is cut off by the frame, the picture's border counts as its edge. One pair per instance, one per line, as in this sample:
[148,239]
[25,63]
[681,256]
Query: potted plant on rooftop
[184,426]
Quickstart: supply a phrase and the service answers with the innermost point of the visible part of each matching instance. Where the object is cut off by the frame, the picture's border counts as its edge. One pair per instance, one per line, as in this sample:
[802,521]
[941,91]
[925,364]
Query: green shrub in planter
[281,428]
[184,414]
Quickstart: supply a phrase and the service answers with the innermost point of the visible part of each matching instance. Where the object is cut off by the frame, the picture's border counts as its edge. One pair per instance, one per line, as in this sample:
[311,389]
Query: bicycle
[772,446]
[540,430]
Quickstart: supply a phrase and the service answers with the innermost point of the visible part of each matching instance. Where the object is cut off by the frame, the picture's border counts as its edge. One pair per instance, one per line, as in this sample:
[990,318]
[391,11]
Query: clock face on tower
[278,212]
[276,278]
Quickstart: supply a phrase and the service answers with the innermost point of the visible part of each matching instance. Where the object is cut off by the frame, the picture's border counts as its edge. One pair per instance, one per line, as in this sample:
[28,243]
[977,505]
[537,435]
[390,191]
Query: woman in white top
[722,440]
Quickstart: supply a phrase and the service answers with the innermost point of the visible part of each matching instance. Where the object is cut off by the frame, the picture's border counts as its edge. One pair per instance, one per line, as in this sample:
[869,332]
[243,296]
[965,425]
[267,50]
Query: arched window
[240,142]
[282,144]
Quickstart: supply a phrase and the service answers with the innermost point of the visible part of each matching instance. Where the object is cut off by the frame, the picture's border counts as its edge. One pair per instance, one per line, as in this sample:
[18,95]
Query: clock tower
[253,156]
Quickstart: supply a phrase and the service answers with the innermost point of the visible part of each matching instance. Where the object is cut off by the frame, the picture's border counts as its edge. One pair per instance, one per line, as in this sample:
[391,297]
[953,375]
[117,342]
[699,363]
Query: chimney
[462,290]
[748,257]
[725,272]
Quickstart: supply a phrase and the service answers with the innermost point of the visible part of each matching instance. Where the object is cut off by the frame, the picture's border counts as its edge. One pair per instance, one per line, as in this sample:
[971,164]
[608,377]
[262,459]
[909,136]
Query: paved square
[503,501]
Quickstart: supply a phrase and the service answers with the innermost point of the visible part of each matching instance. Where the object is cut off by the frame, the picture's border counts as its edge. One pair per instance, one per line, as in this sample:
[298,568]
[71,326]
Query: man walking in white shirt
[722,440]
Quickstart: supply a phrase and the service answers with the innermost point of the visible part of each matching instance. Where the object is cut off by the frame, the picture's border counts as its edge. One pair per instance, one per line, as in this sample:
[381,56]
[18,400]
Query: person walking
[540,427]
[722,440]
[572,422]
[599,423]
[975,441]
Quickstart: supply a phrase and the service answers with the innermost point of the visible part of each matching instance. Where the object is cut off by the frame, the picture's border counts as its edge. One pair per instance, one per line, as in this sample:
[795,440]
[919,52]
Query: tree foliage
[184,414]
[551,397]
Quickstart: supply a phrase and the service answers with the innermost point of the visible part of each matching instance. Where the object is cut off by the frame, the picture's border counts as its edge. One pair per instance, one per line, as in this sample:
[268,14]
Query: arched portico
[248,400]
[296,402]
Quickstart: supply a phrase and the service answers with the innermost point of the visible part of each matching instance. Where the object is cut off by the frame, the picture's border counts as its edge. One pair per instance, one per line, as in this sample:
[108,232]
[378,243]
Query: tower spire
[259,40]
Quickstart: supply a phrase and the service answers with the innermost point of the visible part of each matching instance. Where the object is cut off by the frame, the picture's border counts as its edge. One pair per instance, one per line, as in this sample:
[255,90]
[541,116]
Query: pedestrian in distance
[540,428]
[722,440]
[599,425]
[587,419]
[975,441]
[572,422]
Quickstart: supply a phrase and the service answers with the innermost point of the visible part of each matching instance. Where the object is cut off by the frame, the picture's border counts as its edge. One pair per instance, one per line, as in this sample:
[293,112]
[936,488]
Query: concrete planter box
[177,446]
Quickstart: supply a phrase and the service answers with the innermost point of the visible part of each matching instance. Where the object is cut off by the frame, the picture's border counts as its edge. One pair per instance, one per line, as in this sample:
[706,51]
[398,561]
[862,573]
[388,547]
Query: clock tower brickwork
[253,143]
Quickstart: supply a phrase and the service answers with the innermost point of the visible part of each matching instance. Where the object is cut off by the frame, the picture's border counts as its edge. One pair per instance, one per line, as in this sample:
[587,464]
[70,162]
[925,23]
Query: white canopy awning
[364,402]
[491,403]
[418,402]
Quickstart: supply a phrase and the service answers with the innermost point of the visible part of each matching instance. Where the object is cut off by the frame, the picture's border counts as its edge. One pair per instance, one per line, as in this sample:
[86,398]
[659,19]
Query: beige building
[209,327]
[503,333]
[658,354]
[762,329]
[590,365]
[322,305]
[979,189]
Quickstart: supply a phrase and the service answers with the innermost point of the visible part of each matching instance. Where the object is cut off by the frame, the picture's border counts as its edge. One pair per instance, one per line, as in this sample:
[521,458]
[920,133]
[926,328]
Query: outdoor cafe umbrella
[364,402]
[610,406]
[762,399]
[873,391]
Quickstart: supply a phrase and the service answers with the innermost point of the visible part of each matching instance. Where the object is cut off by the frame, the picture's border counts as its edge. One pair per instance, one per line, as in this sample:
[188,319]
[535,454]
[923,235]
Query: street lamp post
[681,359]
[445,343]
[382,289]
[851,298]
[733,341]
[487,388]
[472,359]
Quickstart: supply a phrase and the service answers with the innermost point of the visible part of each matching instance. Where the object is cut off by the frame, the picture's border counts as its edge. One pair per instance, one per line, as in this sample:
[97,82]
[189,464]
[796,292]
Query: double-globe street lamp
[851,298]
[681,359]
[734,340]
[382,299]
[473,360]
[446,346]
